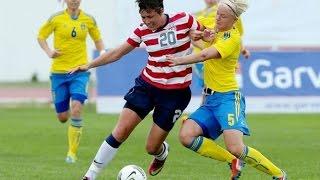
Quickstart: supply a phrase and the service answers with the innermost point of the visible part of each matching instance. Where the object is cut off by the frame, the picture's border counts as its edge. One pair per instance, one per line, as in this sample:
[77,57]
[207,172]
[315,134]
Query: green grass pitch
[33,145]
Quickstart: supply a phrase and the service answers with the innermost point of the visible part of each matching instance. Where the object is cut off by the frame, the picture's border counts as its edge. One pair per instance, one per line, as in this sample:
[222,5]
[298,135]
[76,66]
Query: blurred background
[282,35]
[268,23]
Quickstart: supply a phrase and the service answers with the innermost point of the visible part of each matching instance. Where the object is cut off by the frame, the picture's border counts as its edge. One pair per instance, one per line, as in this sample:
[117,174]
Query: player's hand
[79,68]
[195,35]
[174,61]
[54,53]
[246,53]
[208,35]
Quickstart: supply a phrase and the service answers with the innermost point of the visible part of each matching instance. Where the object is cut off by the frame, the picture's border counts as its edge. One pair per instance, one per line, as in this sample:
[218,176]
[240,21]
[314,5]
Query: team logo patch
[226,35]
[172,27]
[83,26]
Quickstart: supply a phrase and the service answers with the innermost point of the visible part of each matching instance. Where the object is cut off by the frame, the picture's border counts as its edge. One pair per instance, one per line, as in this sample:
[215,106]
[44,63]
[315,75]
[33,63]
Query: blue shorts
[168,105]
[66,86]
[221,111]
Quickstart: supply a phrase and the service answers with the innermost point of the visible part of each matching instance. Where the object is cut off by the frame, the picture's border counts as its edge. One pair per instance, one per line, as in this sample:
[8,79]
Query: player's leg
[192,137]
[60,96]
[138,105]
[128,120]
[78,84]
[169,105]
[234,143]
[201,129]
[234,126]
[74,131]
[157,147]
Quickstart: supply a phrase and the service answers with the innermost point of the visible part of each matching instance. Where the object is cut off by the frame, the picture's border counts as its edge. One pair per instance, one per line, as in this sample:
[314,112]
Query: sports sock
[260,162]
[105,154]
[209,148]
[164,152]
[74,135]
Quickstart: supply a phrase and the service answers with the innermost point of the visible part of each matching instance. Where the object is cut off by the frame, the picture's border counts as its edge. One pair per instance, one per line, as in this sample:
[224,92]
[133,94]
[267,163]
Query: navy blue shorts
[168,105]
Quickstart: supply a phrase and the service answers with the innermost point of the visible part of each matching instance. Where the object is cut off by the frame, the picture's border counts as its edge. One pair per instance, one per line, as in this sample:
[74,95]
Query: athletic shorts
[221,111]
[168,105]
[66,86]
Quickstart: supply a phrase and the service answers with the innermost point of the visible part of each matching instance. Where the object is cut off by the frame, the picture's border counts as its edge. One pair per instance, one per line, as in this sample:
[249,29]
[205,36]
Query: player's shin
[105,154]
[260,162]
[74,135]
[209,148]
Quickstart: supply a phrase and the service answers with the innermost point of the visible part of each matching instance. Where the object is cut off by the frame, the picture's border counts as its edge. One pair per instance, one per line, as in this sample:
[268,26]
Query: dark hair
[156,5]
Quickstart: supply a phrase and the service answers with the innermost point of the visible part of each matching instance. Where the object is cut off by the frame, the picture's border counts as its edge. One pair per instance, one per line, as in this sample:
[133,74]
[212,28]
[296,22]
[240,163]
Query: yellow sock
[209,148]
[74,134]
[258,161]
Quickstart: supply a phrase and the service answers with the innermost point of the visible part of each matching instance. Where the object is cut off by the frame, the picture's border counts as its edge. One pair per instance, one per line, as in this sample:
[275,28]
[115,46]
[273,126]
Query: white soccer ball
[132,172]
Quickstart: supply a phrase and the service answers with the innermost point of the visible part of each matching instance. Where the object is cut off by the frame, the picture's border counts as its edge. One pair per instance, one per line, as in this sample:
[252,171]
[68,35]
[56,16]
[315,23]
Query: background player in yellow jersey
[223,111]
[70,28]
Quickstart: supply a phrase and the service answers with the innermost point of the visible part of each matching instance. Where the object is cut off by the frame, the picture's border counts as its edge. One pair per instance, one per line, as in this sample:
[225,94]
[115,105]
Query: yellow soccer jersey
[69,38]
[220,74]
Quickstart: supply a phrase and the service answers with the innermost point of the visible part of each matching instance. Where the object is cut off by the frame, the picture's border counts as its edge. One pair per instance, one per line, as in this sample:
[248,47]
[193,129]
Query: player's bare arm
[100,46]
[245,52]
[108,57]
[208,53]
[52,53]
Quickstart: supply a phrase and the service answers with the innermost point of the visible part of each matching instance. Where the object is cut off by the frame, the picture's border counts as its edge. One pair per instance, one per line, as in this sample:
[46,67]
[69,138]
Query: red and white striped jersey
[172,39]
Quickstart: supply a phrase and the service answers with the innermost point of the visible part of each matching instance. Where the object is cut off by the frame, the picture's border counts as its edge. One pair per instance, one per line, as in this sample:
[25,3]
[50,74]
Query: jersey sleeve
[46,29]
[94,31]
[193,24]
[135,38]
[227,43]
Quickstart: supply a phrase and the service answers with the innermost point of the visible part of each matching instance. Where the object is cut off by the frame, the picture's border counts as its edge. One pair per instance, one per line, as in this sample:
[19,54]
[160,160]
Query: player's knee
[185,138]
[63,118]
[236,150]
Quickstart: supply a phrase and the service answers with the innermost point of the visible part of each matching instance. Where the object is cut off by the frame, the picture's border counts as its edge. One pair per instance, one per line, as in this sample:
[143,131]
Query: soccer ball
[132,172]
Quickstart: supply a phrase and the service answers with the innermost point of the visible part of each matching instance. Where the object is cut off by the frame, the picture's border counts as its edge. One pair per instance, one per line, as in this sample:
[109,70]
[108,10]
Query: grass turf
[33,145]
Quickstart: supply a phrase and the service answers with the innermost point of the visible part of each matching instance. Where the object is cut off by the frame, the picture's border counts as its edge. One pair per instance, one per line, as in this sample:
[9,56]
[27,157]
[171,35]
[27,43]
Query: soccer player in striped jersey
[70,29]
[160,88]
[223,111]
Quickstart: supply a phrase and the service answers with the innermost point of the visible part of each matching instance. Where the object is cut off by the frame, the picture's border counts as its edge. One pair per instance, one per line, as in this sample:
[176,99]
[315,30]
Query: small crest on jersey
[226,35]
[172,27]
[83,26]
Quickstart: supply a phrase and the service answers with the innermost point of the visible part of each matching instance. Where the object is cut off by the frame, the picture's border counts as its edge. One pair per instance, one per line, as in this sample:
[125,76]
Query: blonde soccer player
[70,29]
[206,18]
[223,112]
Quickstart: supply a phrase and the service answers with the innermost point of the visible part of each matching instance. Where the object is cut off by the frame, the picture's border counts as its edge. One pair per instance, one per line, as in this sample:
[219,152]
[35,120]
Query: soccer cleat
[70,159]
[157,165]
[283,177]
[85,178]
[236,166]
